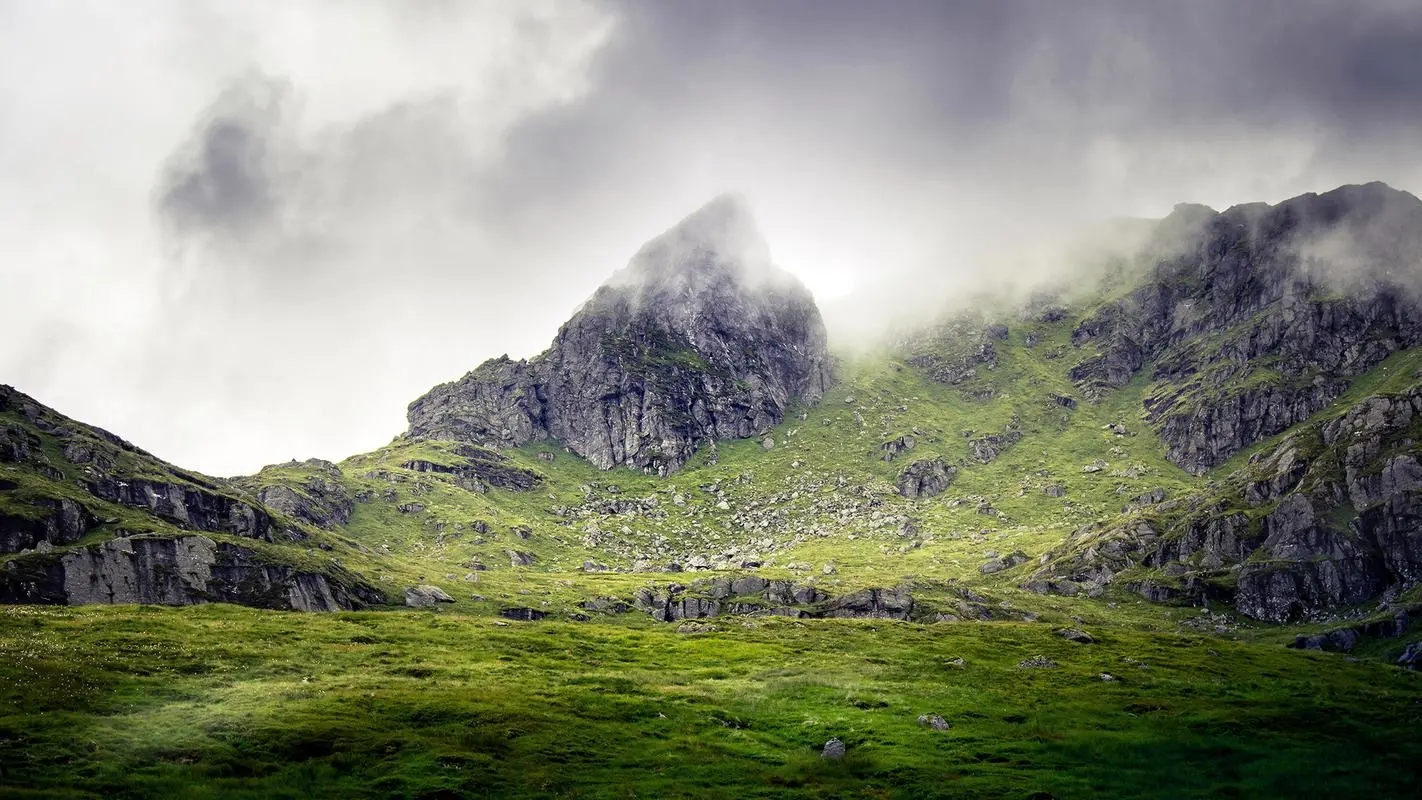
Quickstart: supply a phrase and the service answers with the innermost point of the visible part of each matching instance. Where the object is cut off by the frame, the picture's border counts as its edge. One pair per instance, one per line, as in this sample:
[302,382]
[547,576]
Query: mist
[237,234]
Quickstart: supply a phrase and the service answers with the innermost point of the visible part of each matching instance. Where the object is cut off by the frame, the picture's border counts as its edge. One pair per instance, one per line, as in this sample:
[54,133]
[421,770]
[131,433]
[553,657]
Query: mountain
[1054,547]
[699,338]
[1252,325]
[1227,416]
[94,519]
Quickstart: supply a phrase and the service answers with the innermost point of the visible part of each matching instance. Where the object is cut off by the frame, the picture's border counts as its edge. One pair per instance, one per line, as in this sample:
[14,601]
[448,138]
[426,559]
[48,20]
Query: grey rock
[833,750]
[179,570]
[926,478]
[872,603]
[994,565]
[894,448]
[1411,657]
[698,339]
[50,522]
[1037,662]
[1337,641]
[519,558]
[190,505]
[1076,635]
[424,595]
[934,721]
[321,499]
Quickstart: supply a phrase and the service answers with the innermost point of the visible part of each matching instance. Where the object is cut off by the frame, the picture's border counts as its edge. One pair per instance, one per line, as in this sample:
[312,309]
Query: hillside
[690,535]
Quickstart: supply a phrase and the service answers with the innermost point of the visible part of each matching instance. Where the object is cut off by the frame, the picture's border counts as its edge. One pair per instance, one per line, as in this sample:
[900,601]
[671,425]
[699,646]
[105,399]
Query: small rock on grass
[1076,635]
[1037,662]
[834,750]
[934,721]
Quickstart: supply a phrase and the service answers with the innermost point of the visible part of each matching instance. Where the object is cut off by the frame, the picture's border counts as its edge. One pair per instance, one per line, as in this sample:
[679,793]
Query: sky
[238,233]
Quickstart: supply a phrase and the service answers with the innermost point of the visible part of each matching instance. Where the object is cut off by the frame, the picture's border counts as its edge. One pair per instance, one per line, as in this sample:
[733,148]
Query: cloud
[265,227]
[221,180]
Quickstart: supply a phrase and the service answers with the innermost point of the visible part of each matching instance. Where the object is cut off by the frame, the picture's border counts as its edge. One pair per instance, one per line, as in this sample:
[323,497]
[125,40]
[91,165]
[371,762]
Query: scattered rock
[934,721]
[1076,635]
[1037,662]
[696,627]
[834,750]
[994,565]
[424,595]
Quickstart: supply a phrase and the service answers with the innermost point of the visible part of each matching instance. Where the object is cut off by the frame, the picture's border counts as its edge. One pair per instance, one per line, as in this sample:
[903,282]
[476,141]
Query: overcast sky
[237,233]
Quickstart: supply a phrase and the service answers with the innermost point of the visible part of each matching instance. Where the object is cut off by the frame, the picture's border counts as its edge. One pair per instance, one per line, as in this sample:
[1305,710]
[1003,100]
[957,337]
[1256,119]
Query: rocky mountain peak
[698,338]
[721,239]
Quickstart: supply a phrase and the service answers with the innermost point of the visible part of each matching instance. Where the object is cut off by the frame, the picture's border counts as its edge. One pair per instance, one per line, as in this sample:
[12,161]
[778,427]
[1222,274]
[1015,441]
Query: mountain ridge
[1157,402]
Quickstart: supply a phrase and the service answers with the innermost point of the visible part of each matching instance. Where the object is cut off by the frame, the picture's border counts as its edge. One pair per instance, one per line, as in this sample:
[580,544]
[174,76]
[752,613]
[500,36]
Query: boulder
[424,596]
[925,478]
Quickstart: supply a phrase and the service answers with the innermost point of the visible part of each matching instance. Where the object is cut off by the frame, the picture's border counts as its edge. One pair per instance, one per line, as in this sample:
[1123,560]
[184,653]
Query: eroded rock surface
[699,338]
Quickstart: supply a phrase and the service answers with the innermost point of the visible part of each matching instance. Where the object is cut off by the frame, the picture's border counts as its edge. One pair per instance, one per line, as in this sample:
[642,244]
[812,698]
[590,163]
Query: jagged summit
[699,338]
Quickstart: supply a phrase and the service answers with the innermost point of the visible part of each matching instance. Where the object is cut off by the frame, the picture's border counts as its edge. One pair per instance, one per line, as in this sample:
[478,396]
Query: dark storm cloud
[943,83]
[221,181]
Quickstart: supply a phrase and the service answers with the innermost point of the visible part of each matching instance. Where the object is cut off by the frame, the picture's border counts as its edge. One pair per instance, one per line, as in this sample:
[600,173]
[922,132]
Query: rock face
[699,338]
[321,499]
[1338,522]
[926,478]
[51,522]
[1257,317]
[755,595]
[184,570]
[424,596]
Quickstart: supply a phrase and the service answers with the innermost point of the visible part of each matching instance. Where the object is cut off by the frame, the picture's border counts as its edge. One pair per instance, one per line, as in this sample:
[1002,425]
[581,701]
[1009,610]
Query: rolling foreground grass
[222,701]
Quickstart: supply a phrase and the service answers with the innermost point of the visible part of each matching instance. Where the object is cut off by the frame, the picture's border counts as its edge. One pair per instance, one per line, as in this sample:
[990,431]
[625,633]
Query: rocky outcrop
[187,505]
[1338,522]
[1257,317]
[925,478]
[756,595]
[49,521]
[320,499]
[955,352]
[424,596]
[698,339]
[872,603]
[480,468]
[181,570]
[1306,565]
